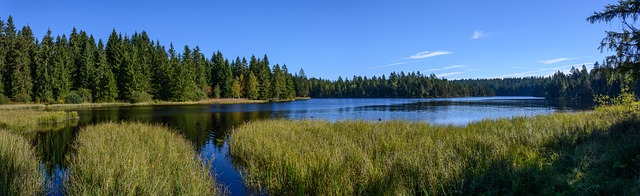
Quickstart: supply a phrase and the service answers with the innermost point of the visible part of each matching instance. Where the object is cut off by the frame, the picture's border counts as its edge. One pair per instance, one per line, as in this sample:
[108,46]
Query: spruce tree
[20,66]
[60,77]
[223,77]
[43,89]
[161,73]
[251,87]
[105,88]
[9,35]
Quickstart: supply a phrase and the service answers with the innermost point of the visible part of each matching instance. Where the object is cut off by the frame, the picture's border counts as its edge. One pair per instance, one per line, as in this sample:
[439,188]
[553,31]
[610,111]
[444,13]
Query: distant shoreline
[123,104]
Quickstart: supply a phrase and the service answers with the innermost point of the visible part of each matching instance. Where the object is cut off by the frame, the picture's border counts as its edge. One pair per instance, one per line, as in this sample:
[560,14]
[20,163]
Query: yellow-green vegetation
[19,167]
[584,153]
[4,107]
[136,159]
[26,121]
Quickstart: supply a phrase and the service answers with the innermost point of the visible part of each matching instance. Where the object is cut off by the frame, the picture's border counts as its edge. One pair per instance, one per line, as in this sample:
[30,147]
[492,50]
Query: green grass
[27,121]
[136,159]
[582,153]
[19,167]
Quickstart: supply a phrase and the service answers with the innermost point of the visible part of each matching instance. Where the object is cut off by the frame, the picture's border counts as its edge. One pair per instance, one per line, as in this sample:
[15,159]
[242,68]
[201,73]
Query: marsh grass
[19,168]
[136,159]
[28,121]
[564,153]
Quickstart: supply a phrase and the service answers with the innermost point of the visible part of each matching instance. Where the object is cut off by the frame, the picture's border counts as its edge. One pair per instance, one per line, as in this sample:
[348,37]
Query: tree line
[135,69]
[577,84]
[77,68]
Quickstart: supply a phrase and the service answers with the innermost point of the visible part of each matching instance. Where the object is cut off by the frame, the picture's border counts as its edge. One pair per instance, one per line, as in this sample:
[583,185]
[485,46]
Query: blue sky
[453,39]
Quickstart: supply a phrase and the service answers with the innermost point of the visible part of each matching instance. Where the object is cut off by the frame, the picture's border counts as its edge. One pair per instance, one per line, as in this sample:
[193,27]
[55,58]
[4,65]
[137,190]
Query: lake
[209,127]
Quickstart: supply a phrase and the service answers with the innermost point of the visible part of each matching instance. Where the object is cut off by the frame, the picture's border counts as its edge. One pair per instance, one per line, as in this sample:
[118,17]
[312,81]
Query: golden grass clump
[25,121]
[19,166]
[136,159]
[570,153]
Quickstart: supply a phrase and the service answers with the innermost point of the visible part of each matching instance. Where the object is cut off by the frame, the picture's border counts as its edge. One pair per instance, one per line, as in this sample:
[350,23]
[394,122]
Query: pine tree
[105,88]
[201,69]
[223,77]
[161,70]
[251,87]
[236,88]
[9,39]
[60,77]
[20,66]
[43,89]
[278,83]
[302,84]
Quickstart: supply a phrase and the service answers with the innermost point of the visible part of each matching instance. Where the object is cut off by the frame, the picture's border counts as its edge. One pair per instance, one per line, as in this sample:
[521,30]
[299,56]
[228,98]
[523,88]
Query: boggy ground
[596,152]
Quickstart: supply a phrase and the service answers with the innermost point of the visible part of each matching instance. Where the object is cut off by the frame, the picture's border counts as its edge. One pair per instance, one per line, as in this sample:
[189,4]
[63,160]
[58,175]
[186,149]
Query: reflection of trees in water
[52,147]
[563,105]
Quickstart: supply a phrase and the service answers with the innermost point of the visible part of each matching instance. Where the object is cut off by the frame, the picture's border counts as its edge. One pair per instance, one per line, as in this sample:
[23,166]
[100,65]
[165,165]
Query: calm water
[209,127]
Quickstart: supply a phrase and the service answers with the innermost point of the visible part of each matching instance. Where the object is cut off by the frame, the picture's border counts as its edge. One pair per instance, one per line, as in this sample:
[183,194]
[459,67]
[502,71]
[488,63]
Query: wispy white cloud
[541,71]
[392,64]
[449,74]
[428,54]
[477,34]
[445,68]
[556,60]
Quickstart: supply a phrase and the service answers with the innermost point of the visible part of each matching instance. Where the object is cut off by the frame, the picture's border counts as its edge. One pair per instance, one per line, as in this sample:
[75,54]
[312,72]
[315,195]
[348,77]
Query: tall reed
[562,153]
[19,168]
[136,159]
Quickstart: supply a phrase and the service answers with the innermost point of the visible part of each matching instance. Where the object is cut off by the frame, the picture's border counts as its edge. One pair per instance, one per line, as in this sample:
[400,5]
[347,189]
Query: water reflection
[209,127]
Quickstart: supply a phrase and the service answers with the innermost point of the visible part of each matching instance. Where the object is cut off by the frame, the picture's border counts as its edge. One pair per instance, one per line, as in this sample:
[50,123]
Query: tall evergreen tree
[161,70]
[60,77]
[251,87]
[278,83]
[9,42]
[43,89]
[105,87]
[222,75]
[20,66]
[626,43]
[201,69]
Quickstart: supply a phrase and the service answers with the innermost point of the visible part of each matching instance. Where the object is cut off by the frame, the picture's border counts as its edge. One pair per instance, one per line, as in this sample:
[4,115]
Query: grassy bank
[36,106]
[136,159]
[26,121]
[20,169]
[590,153]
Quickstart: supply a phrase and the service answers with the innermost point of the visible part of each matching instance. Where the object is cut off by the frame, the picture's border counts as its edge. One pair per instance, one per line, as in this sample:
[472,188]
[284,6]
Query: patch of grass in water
[19,167]
[27,121]
[136,159]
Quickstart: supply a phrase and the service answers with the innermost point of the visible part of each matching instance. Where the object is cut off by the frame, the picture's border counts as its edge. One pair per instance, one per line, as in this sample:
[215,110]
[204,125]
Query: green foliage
[85,94]
[626,98]
[624,44]
[23,121]
[20,167]
[4,99]
[136,159]
[140,97]
[73,98]
[251,87]
[588,153]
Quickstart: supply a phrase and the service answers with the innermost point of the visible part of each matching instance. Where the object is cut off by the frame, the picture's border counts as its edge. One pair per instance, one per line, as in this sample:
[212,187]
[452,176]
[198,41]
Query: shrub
[4,99]
[85,94]
[140,97]
[72,98]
